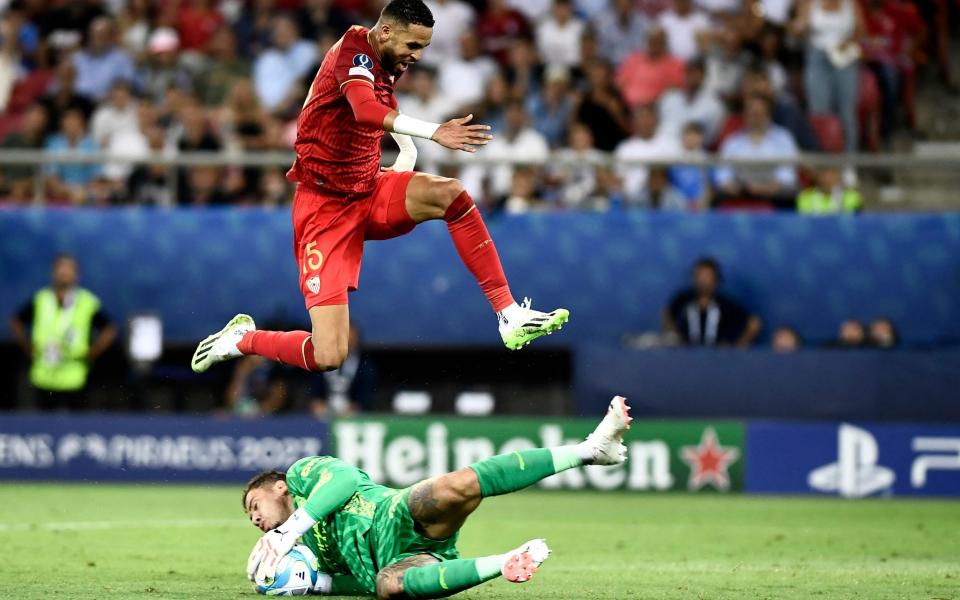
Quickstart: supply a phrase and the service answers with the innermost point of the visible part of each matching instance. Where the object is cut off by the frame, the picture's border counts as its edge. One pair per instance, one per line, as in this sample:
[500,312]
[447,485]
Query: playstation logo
[856,473]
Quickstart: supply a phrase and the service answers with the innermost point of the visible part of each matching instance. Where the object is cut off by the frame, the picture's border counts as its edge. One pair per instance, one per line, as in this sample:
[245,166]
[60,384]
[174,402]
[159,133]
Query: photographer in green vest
[62,319]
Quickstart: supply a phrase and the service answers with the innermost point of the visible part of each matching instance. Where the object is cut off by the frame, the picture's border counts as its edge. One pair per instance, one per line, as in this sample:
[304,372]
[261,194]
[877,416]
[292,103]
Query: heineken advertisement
[664,455]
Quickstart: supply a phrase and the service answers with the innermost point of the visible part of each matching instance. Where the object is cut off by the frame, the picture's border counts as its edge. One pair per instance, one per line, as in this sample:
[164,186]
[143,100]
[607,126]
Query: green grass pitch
[100,541]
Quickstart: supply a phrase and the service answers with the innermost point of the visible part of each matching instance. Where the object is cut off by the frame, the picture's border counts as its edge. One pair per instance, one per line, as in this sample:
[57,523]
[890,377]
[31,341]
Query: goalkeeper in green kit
[374,540]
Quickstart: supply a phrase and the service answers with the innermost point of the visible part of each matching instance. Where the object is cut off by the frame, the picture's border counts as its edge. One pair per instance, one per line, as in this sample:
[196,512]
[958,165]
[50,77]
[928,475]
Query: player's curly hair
[260,480]
[409,12]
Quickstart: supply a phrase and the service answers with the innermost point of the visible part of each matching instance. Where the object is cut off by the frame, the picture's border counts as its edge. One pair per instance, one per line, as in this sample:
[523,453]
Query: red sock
[294,348]
[477,251]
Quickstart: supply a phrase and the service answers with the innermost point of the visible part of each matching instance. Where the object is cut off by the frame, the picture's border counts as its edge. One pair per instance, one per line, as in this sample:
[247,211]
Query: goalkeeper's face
[269,505]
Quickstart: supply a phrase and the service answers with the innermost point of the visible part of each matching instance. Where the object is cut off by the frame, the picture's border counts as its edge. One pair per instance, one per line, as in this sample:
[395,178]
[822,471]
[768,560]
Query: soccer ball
[296,574]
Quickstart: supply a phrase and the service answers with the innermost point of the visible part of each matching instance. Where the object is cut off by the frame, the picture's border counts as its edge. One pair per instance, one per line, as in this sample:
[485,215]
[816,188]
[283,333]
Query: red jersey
[335,153]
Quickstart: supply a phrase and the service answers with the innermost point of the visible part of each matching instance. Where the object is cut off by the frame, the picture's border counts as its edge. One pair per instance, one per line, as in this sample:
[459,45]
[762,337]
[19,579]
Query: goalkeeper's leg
[423,576]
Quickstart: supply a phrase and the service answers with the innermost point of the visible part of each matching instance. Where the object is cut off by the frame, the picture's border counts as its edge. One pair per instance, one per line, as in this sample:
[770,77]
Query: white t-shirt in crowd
[560,44]
[635,177]
[451,19]
[682,32]
[465,81]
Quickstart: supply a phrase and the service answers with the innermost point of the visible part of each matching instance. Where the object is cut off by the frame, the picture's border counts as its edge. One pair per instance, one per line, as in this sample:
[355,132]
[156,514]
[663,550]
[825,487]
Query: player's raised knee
[328,359]
[458,488]
[447,192]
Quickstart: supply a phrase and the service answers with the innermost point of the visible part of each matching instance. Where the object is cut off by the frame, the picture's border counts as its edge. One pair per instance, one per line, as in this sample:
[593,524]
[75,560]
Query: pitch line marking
[96,525]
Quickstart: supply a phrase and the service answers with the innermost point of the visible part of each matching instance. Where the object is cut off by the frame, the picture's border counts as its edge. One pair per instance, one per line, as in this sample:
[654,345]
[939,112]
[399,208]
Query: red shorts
[329,231]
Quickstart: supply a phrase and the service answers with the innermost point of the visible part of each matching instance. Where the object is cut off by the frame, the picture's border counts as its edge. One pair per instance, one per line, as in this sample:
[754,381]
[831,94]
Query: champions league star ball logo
[362,60]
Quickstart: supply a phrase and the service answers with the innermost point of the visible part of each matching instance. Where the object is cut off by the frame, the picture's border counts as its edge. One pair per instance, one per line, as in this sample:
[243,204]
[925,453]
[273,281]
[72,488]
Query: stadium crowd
[564,79]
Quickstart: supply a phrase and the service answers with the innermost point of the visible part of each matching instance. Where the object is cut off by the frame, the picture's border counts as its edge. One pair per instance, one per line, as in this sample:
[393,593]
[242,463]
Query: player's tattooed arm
[390,578]
[424,504]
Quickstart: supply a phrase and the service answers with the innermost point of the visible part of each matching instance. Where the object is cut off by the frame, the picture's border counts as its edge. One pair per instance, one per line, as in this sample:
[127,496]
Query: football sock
[338,585]
[508,473]
[442,579]
[294,348]
[477,251]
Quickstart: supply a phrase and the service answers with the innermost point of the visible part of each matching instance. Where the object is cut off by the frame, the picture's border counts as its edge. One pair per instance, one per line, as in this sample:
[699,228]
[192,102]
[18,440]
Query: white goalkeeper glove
[275,544]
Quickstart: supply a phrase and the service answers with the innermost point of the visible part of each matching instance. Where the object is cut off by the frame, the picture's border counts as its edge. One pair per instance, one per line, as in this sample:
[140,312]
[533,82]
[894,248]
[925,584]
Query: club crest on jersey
[362,60]
[313,284]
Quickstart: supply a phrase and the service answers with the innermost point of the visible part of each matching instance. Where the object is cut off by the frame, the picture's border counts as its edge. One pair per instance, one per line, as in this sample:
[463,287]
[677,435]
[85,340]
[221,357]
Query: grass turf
[106,541]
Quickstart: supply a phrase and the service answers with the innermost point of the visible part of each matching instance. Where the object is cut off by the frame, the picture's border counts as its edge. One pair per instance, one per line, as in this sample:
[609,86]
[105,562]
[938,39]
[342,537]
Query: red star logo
[709,461]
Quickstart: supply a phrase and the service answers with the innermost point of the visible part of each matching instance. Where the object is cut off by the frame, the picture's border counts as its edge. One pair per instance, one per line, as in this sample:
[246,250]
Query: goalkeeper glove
[275,544]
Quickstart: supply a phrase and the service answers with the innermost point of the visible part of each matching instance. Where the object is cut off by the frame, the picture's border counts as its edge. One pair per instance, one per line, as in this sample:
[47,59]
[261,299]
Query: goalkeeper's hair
[260,480]
[408,12]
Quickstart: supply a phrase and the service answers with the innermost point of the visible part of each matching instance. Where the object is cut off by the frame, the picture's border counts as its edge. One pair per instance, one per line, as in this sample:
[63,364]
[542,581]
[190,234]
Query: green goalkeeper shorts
[393,535]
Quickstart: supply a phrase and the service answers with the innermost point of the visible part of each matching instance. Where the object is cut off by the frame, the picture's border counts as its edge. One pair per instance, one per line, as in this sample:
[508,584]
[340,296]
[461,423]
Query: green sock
[442,579]
[508,473]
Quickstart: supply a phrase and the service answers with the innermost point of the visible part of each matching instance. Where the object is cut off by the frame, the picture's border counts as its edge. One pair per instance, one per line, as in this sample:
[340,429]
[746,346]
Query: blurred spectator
[149,184]
[424,101]
[64,24]
[102,62]
[771,59]
[116,115]
[786,112]
[129,142]
[832,68]
[536,11]
[20,38]
[660,194]
[164,69]
[852,334]
[524,70]
[133,26]
[64,96]
[590,9]
[721,8]
[620,31]
[692,180]
[559,36]
[221,69]
[701,316]
[523,192]
[349,389]
[760,138]
[323,17]
[785,340]
[463,81]
[726,62]
[828,196]
[258,387]
[62,320]
[197,20]
[693,103]
[203,187]
[16,181]
[886,51]
[498,26]
[274,189]
[645,143]
[602,109]
[574,172]
[277,71]
[643,76]
[518,142]
[551,109]
[451,19]
[70,181]
[254,28]
[491,110]
[776,11]
[687,29]
[883,334]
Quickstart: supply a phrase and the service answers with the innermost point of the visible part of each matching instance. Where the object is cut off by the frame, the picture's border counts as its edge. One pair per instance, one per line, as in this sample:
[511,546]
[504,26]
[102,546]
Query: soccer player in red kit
[343,197]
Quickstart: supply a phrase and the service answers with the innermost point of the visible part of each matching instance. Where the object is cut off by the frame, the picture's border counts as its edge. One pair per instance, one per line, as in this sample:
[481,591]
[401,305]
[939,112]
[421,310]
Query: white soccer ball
[296,575]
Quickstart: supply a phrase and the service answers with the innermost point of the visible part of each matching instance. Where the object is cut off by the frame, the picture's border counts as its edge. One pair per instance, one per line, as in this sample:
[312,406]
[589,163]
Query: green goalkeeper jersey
[361,526]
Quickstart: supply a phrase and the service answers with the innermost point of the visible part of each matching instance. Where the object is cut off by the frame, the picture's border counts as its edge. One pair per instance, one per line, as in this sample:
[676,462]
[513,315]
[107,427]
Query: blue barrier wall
[614,271]
[906,385]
